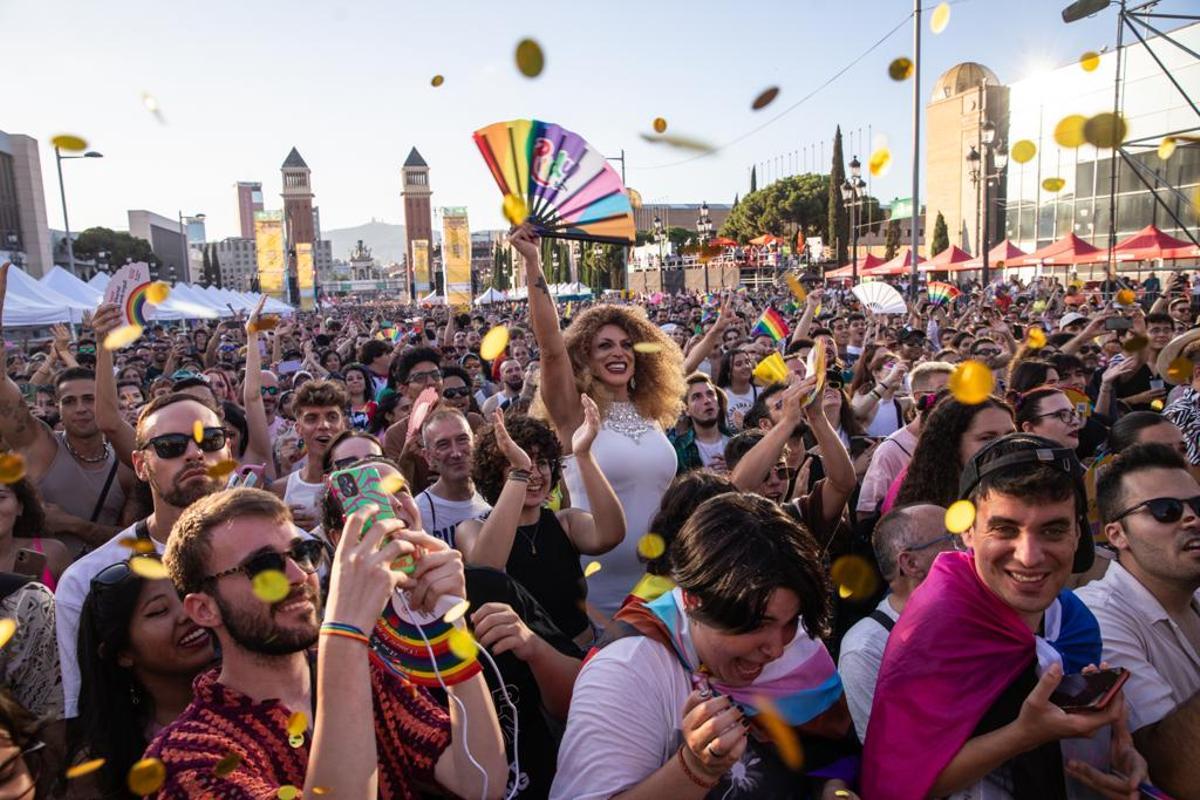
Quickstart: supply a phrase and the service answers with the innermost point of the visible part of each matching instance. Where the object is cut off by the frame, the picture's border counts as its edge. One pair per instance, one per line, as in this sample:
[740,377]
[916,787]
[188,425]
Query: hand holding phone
[29,563]
[1082,692]
[356,488]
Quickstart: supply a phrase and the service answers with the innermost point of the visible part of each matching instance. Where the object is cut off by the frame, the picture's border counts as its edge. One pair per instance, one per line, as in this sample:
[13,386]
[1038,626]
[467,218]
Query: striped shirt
[1184,411]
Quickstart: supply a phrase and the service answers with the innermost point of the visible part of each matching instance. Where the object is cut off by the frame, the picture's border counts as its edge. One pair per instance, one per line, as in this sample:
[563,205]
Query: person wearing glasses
[1047,412]
[456,394]
[448,443]
[178,470]
[363,733]
[905,543]
[1148,604]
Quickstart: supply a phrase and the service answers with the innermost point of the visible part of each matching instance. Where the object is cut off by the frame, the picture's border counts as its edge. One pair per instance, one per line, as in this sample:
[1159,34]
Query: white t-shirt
[859,661]
[440,517]
[300,492]
[712,452]
[740,402]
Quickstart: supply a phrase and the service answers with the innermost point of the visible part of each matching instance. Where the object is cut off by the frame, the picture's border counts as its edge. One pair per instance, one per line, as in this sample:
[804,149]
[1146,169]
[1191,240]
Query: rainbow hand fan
[569,189]
[942,293]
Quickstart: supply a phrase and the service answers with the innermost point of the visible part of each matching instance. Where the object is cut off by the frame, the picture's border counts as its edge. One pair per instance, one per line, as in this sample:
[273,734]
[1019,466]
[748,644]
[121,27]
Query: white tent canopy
[433,299]
[489,297]
[63,282]
[24,286]
[99,281]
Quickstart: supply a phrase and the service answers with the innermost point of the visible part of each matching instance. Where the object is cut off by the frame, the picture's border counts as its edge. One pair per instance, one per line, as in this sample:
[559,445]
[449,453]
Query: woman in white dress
[639,393]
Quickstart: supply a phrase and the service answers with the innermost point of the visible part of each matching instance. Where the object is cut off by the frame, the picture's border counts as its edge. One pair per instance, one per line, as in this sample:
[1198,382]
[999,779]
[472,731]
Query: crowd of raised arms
[645,547]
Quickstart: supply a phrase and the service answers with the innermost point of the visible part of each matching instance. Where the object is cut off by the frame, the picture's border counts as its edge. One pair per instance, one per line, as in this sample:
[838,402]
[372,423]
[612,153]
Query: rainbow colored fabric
[772,324]
[397,644]
[942,293]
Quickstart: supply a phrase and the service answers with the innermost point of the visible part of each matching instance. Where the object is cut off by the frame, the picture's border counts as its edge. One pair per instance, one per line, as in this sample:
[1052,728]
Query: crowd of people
[601,549]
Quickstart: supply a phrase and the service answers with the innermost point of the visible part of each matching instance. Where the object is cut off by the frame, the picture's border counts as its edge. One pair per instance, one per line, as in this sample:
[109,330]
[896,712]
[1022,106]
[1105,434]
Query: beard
[706,424]
[515,386]
[257,632]
[183,496]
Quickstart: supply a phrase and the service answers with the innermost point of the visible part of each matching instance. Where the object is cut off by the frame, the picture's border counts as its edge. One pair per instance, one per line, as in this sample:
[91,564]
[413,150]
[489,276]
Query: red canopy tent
[1005,254]
[721,241]
[1068,251]
[766,239]
[899,265]
[847,270]
[952,259]
[1150,243]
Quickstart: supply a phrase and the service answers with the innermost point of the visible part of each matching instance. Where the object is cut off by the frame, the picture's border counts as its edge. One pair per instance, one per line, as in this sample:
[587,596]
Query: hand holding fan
[556,181]
[942,293]
[880,298]
[814,365]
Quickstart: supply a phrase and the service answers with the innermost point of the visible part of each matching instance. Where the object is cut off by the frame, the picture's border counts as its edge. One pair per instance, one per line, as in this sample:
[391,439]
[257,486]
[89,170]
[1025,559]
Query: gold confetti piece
[1053,185]
[1126,297]
[635,198]
[1180,371]
[1135,343]
[647,347]
[1035,339]
[149,568]
[158,292]
[436,81]
[69,142]
[1156,404]
[855,577]
[959,516]
[146,776]
[901,69]
[514,208]
[221,468]
[681,142]
[591,569]
[1106,130]
[1166,148]
[1023,151]
[267,322]
[12,467]
[296,741]
[651,546]
[494,343]
[787,742]
[84,768]
[320,790]
[1069,131]
[971,382]
[122,336]
[880,162]
[457,612]
[228,763]
[7,628]
[288,792]
[150,102]
[1089,61]
[462,644]
[392,484]
[940,18]
[297,723]
[270,586]
[530,58]
[198,431]
[765,98]
[660,125]
[140,546]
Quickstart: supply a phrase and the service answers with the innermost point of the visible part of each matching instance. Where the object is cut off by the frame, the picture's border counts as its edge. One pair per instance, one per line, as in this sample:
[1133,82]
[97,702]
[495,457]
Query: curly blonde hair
[657,387]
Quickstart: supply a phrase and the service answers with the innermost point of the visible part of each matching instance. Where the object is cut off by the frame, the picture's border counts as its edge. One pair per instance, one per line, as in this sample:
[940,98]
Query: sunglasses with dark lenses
[173,445]
[306,553]
[1164,509]
[271,390]
[456,391]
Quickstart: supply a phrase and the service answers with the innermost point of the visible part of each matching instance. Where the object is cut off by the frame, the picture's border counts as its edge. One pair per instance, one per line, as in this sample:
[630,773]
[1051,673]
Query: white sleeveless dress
[639,462]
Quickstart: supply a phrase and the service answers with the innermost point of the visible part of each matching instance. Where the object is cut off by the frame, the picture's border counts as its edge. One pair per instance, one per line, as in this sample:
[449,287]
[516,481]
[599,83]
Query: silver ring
[712,751]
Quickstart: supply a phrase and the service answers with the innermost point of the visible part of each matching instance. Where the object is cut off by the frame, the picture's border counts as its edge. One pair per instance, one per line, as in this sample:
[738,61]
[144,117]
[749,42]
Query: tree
[679,236]
[753,179]
[735,202]
[206,275]
[119,245]
[838,227]
[891,239]
[787,206]
[216,268]
[941,235]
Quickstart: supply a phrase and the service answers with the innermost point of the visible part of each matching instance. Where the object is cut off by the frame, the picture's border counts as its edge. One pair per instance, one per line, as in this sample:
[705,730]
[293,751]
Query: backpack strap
[883,619]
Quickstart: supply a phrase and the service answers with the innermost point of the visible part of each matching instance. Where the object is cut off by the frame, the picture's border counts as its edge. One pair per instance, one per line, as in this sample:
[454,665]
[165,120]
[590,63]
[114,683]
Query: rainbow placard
[127,288]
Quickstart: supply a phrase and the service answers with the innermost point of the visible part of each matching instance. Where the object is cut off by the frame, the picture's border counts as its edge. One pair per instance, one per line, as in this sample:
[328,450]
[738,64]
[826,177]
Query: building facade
[297,201]
[418,210]
[166,240]
[250,200]
[237,258]
[24,229]
[679,215]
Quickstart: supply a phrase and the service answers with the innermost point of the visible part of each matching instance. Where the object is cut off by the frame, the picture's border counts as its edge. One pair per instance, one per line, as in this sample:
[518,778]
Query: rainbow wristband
[344,630]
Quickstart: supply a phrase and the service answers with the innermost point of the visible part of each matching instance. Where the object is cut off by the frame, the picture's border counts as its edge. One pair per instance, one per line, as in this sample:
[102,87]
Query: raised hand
[526,242]
[585,434]
[252,320]
[361,580]
[106,319]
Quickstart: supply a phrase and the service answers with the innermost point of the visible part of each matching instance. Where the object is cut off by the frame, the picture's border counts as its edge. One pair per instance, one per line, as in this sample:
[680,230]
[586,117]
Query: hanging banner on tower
[456,256]
[304,273]
[268,238]
[421,277]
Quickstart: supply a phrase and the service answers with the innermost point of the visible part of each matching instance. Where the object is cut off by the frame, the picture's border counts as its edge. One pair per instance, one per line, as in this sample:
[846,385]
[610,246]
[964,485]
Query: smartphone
[1079,693]
[1118,324]
[1157,383]
[30,563]
[247,476]
[356,487]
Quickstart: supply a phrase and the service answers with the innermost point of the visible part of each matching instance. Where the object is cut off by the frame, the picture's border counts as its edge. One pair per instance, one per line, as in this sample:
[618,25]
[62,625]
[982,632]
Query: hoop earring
[633,384]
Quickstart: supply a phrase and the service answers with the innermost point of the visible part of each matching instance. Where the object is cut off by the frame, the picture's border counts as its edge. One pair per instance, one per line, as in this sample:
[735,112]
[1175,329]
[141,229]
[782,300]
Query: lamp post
[704,229]
[853,196]
[62,192]
[102,257]
[660,236]
[982,177]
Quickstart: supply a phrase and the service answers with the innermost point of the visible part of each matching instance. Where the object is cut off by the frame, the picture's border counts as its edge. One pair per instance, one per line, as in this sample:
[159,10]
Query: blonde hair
[657,387]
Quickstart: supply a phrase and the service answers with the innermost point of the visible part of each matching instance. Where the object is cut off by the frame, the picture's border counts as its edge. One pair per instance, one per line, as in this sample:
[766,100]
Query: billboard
[268,237]
[421,276]
[456,256]
[304,274]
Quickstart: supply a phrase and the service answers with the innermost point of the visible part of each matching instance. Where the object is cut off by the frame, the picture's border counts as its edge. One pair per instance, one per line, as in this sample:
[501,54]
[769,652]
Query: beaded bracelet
[693,777]
[522,475]
[343,629]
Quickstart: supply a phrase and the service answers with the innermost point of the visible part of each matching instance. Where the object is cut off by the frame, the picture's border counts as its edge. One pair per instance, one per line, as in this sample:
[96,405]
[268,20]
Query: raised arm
[840,478]
[752,469]
[258,449]
[708,343]
[120,433]
[19,429]
[811,302]
[604,528]
[489,543]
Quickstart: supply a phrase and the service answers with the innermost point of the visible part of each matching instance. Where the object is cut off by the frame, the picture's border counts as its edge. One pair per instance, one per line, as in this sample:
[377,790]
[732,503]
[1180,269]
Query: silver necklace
[95,460]
[531,540]
[623,417]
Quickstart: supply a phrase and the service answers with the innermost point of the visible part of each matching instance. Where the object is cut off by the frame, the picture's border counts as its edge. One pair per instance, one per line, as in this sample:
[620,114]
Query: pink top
[893,492]
[47,576]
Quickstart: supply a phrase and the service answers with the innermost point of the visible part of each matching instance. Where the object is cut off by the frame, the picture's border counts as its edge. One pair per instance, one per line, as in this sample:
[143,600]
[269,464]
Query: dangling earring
[633,384]
[133,695]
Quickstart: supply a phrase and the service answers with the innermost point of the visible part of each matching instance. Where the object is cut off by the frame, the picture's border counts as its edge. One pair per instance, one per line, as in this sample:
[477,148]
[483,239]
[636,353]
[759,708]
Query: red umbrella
[721,241]
[1150,243]
[765,239]
[847,270]
[952,259]
[1068,250]
[897,266]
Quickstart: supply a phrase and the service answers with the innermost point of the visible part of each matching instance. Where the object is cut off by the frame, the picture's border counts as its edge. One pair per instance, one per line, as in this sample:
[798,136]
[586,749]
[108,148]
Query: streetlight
[186,263]
[59,158]
[853,196]
[660,236]
[980,174]
[704,228]
[102,257]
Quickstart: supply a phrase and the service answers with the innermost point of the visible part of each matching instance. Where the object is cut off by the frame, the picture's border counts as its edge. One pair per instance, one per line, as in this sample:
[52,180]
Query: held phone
[247,476]
[30,563]
[1091,692]
[355,487]
[1118,324]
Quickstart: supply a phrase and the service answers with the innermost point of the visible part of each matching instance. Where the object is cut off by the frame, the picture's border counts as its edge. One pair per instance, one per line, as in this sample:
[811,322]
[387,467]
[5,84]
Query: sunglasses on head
[173,445]
[1164,509]
[456,391]
[306,553]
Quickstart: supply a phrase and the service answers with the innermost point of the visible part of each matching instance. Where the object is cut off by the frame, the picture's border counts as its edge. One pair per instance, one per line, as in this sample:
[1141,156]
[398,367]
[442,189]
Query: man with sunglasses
[1148,604]
[178,469]
[905,542]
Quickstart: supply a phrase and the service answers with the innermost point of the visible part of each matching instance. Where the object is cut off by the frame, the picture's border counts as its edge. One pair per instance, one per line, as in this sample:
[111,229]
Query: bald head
[905,542]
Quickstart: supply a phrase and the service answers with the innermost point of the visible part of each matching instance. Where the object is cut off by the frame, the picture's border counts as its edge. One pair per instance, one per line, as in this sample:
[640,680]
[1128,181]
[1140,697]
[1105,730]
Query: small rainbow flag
[772,324]
[942,293]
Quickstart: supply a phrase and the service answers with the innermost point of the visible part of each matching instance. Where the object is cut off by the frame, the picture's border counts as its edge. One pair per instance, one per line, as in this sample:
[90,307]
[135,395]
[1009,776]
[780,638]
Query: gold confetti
[959,516]
[1035,339]
[530,58]
[651,546]
[901,69]
[660,125]
[320,790]
[12,467]
[462,644]
[647,347]
[1166,148]
[787,743]
[436,81]
[1126,297]
[392,484]
[1089,61]
[1135,343]
[494,343]
[146,776]
[797,288]
[855,577]
[297,723]
[1180,371]
[971,382]
[221,468]
[635,198]
[158,292]
[880,162]
[1023,151]
[288,792]
[198,431]
[141,546]
[1069,131]
[150,103]
[514,208]
[228,763]
[1106,130]
[122,336]
[149,568]
[69,142]
[591,569]
[457,612]
[765,98]
[681,142]
[940,18]
[1053,185]
[84,768]
[7,628]
[1156,404]
[270,586]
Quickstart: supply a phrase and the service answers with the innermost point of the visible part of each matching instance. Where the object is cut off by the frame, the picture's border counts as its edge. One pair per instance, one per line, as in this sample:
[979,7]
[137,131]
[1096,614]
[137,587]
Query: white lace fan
[880,298]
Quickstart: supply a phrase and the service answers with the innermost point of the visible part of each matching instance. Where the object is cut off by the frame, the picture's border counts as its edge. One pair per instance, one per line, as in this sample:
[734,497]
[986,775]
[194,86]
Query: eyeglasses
[986,353]
[1089,350]
[1164,509]
[305,553]
[173,445]
[780,472]
[269,390]
[1067,416]
[947,537]
[431,376]
[832,384]
[456,391]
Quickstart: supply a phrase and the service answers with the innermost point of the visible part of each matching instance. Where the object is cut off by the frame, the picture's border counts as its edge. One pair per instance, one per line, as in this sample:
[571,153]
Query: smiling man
[320,416]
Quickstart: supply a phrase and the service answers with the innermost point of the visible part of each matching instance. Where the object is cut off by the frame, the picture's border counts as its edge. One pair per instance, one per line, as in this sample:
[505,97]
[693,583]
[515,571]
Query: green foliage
[118,244]
[837,226]
[206,274]
[753,179]
[781,209]
[891,240]
[216,268]
[941,235]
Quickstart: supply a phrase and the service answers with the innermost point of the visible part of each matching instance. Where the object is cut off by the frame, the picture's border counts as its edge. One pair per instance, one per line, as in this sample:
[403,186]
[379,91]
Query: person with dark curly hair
[22,528]
[360,393]
[320,409]
[538,547]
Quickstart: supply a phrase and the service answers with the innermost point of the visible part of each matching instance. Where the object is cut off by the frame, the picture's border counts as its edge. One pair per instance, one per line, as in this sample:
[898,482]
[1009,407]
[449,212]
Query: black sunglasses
[456,391]
[305,552]
[173,445]
[1164,509]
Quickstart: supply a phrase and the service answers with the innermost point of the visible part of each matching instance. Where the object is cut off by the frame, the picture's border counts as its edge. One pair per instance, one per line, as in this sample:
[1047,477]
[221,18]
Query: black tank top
[545,562]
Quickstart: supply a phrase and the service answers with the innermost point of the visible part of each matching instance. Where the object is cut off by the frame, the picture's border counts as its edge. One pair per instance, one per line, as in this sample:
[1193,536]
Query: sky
[347,82]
